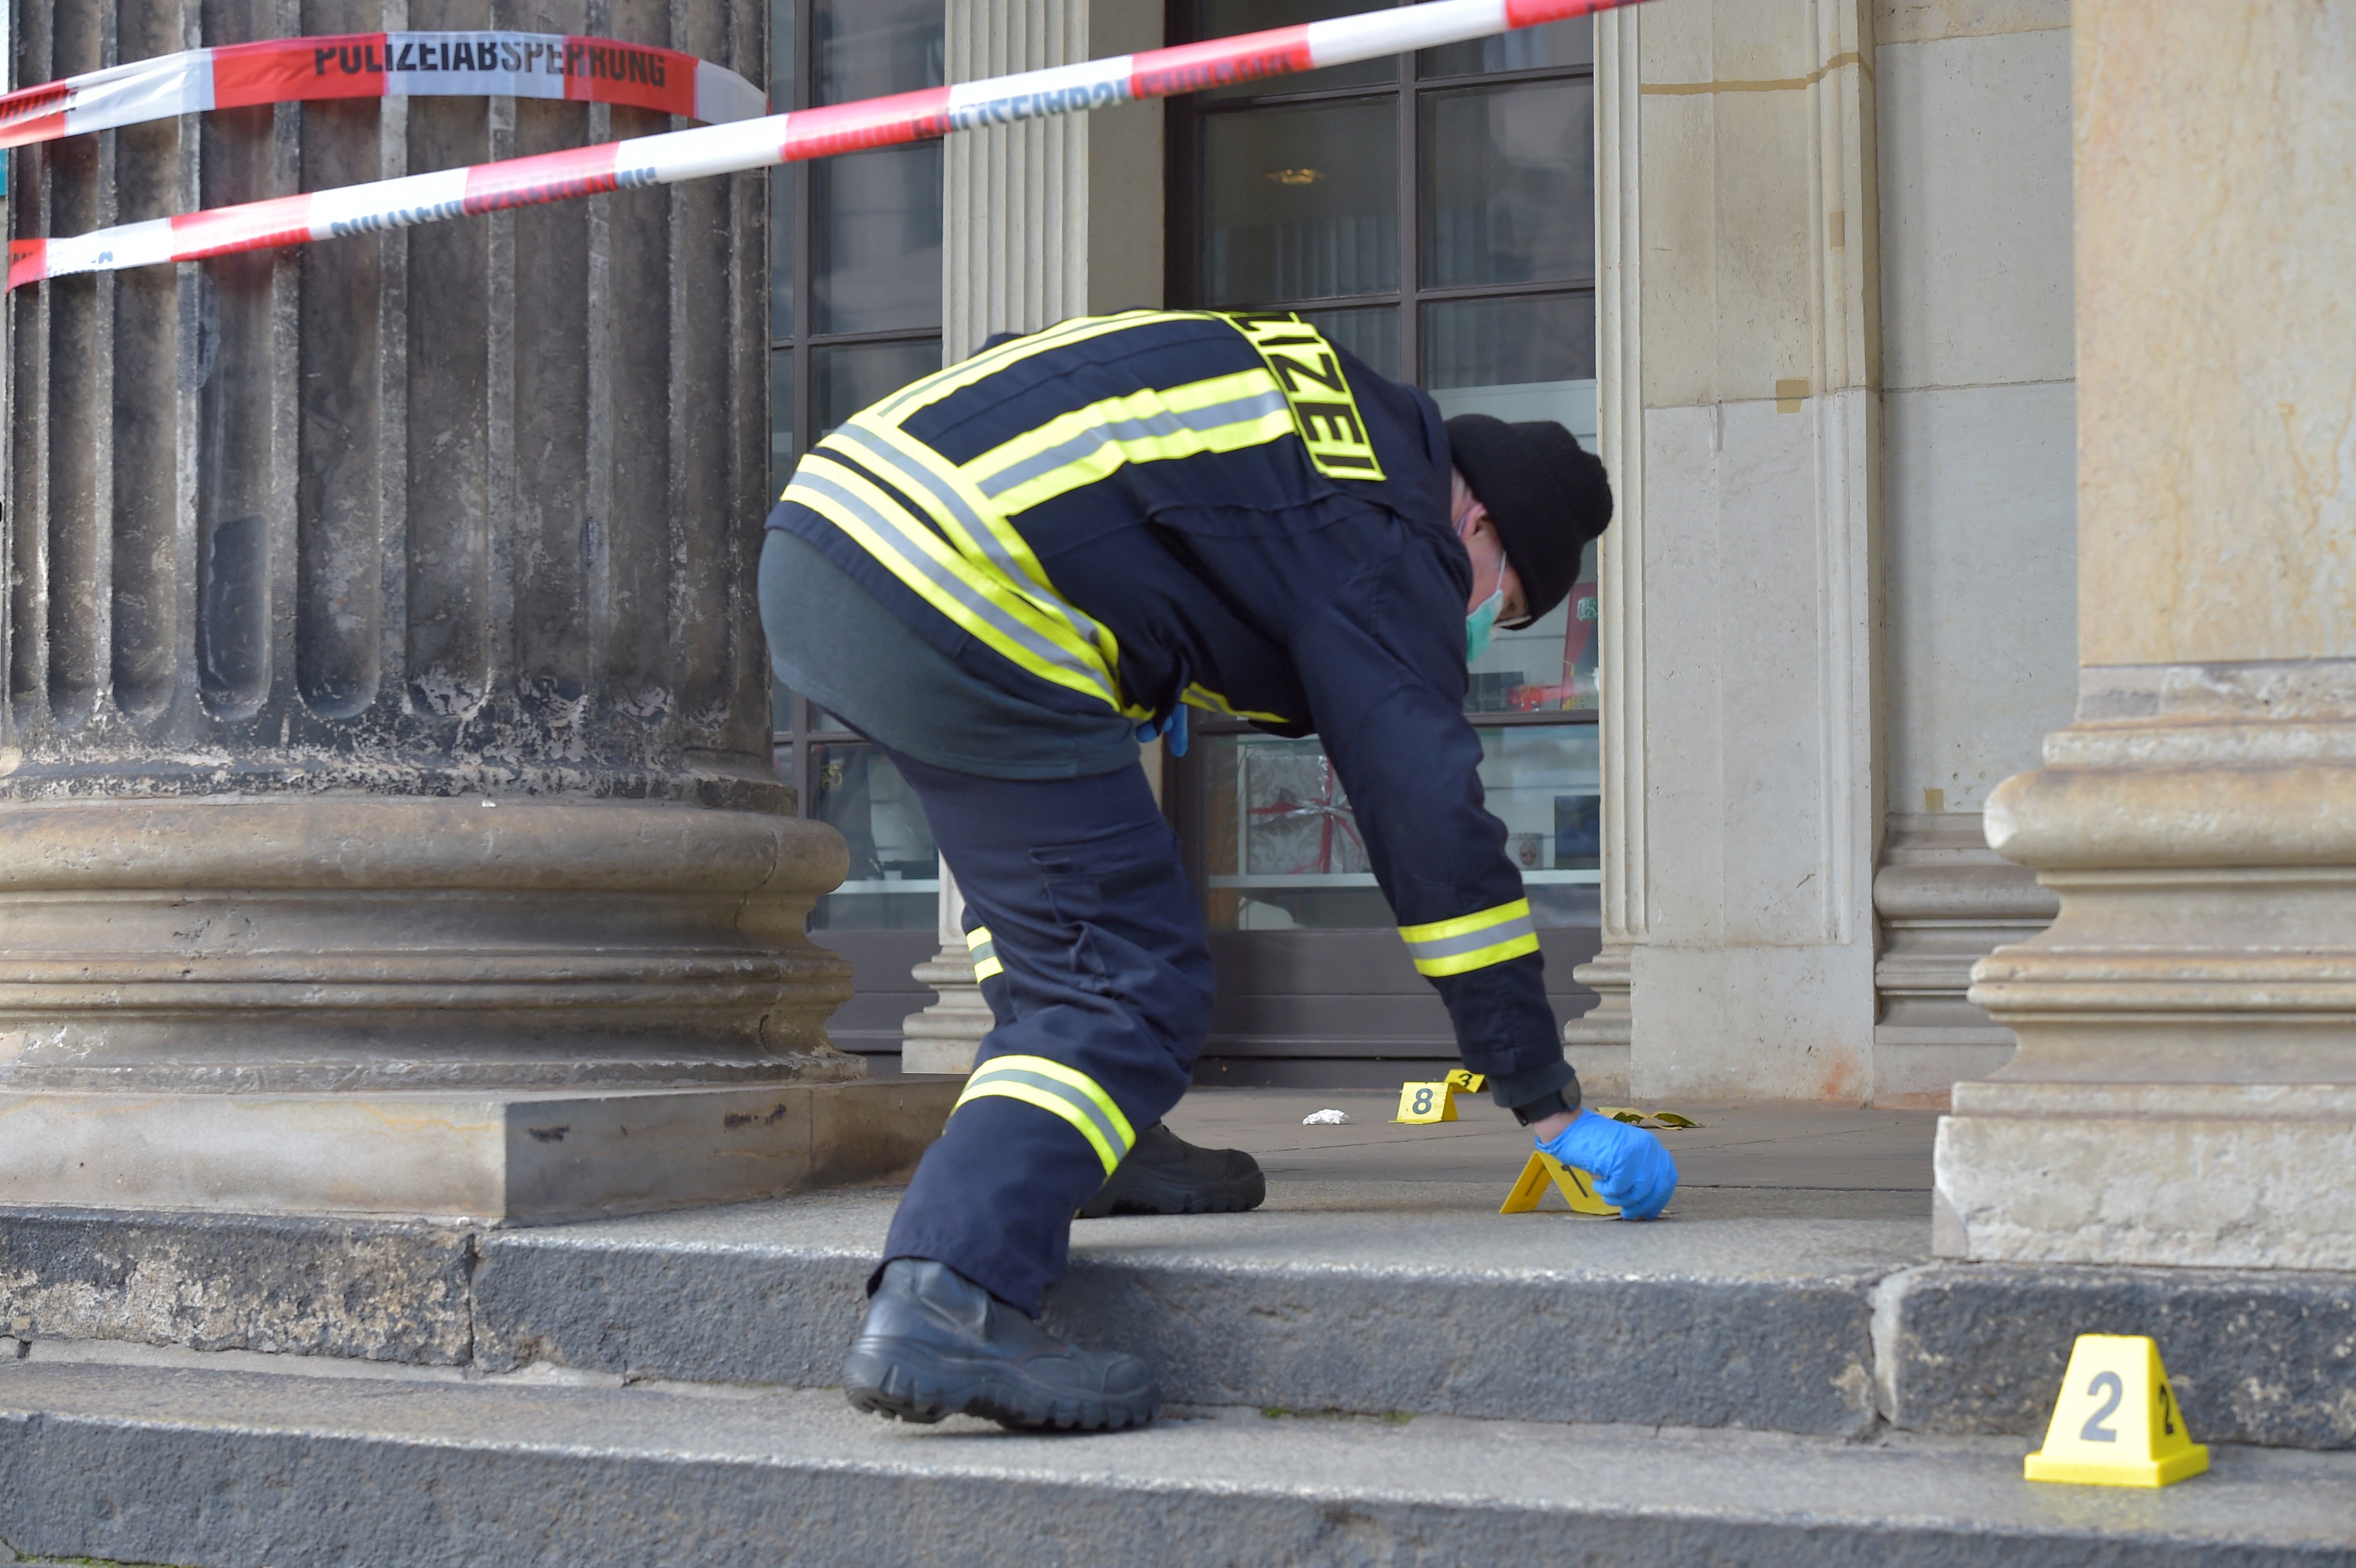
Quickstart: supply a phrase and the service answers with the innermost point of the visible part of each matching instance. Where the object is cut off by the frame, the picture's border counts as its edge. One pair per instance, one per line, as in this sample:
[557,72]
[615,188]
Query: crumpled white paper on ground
[1326,1119]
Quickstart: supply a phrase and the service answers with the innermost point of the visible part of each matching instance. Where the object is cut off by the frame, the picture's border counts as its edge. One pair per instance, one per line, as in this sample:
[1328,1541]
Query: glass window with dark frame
[1435,216]
[854,312]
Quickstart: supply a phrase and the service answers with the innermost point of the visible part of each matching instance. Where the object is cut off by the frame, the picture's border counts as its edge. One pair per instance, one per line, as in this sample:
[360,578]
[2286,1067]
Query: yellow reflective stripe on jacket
[995,611]
[977,530]
[1224,413]
[1471,940]
[983,949]
[1061,1090]
[932,389]
[1198,695]
[958,549]
[1324,409]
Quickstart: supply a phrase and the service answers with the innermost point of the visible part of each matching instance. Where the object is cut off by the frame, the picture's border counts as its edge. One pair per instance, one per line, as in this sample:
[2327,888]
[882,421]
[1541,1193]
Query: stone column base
[339,943]
[2212,1175]
[1596,1042]
[507,1157]
[944,1037]
[2185,1088]
[1945,900]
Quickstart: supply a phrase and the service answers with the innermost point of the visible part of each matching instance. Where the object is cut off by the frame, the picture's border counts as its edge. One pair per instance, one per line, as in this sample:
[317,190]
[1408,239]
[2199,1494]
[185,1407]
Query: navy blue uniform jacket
[1210,514]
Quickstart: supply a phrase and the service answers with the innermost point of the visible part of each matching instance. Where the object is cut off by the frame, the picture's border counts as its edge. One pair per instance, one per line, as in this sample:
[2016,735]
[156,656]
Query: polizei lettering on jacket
[1324,409]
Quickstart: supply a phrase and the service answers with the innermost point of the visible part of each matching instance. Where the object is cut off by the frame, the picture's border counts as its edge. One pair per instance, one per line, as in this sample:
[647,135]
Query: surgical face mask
[1482,622]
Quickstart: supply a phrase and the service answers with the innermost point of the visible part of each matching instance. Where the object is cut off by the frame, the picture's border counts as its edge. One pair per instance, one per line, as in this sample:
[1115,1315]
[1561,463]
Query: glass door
[1435,215]
[855,312]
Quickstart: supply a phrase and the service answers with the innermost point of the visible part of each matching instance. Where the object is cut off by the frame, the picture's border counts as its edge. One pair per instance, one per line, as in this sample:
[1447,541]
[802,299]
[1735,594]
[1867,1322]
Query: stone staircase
[1362,1373]
[226,1467]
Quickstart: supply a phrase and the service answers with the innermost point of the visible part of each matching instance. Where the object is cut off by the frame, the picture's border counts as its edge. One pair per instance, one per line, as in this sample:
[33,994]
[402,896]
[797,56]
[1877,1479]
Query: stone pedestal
[2185,1088]
[386,822]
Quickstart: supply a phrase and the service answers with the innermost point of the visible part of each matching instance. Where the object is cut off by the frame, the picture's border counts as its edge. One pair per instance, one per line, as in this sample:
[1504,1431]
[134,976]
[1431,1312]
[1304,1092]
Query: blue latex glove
[1631,1168]
[1175,726]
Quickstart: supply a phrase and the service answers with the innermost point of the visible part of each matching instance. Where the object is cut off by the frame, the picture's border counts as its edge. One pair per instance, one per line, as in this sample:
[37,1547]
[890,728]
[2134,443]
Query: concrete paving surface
[1763,1161]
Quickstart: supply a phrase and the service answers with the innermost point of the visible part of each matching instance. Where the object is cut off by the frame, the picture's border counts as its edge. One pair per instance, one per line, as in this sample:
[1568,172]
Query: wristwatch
[1539,1110]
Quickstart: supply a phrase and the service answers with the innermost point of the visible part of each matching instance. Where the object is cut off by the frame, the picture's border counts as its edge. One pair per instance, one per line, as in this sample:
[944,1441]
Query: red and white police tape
[720,149]
[380,65]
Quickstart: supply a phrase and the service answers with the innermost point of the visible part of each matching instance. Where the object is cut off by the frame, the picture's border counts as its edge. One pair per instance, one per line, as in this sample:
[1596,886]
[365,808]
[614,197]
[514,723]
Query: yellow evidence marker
[1427,1102]
[2116,1423]
[1436,1102]
[1576,1186]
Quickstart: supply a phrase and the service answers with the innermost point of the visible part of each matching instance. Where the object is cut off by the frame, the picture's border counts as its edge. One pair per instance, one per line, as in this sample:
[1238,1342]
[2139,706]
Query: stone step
[1367,1298]
[1356,1296]
[235,1470]
[1419,1297]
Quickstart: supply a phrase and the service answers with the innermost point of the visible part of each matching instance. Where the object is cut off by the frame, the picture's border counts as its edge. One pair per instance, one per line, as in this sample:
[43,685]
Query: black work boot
[937,1344]
[1164,1174]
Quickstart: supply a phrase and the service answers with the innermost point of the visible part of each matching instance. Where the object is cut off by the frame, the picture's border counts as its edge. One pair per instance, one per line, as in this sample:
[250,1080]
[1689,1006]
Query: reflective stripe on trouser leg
[984,952]
[1060,1090]
[1471,940]
[1105,975]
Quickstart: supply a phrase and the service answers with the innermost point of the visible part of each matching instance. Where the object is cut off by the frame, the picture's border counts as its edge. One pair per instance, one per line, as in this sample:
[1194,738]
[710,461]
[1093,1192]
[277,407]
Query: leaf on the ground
[1649,1120]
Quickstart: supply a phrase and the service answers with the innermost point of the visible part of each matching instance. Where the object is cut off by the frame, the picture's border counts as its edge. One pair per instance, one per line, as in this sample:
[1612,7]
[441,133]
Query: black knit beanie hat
[1547,494]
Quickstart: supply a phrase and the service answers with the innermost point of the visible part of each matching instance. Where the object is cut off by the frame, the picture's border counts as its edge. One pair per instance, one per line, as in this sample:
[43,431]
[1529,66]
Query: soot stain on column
[234,629]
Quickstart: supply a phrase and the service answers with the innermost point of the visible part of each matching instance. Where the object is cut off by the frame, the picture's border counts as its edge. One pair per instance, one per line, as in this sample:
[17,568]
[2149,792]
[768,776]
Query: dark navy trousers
[1102,1000]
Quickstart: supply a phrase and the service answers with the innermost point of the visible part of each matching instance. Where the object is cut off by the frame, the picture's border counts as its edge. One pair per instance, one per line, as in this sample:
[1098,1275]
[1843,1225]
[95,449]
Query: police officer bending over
[1008,573]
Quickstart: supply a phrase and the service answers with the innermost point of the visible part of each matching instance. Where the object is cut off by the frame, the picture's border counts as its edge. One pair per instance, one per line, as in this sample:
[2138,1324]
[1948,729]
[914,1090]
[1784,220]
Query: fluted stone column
[386,822]
[2185,1087]
[1597,1041]
[1042,221]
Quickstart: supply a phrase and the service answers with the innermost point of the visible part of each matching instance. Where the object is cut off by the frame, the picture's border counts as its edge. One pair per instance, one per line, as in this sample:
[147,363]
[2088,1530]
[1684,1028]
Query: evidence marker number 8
[1436,1101]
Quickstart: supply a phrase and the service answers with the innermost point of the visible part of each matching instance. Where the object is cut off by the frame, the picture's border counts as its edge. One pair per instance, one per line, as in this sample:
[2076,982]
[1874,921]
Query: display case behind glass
[894,882]
[1278,848]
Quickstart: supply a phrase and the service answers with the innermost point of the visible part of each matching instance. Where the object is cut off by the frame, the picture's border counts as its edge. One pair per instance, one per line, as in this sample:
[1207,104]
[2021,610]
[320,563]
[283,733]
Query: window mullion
[805,251]
[1508,290]
[800,711]
[1410,229]
[879,335]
